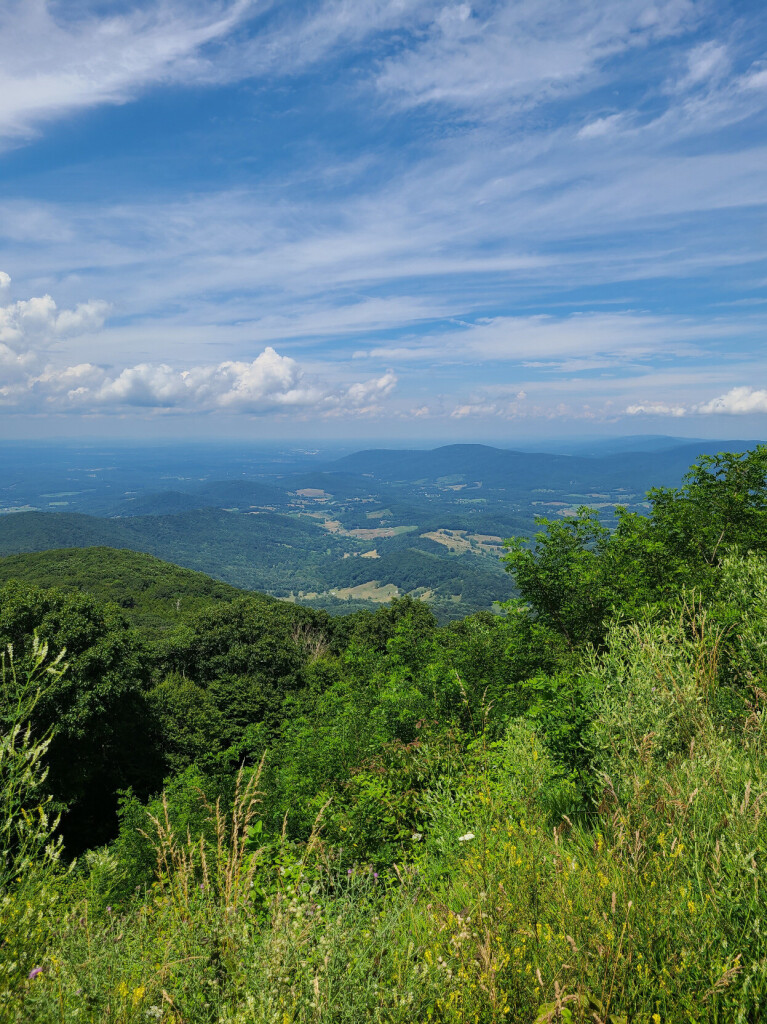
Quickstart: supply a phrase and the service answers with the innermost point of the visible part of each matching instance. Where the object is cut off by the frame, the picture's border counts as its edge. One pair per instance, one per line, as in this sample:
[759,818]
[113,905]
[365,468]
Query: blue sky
[383,218]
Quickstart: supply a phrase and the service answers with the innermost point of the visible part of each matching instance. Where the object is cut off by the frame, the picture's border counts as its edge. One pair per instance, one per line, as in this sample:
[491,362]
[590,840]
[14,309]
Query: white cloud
[755,80]
[38,321]
[5,280]
[31,327]
[293,42]
[32,330]
[736,402]
[705,63]
[656,409]
[15,365]
[474,409]
[267,384]
[367,391]
[86,316]
[70,379]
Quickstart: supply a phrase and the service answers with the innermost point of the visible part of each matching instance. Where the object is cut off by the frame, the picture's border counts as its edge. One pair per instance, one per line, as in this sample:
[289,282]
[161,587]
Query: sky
[383,218]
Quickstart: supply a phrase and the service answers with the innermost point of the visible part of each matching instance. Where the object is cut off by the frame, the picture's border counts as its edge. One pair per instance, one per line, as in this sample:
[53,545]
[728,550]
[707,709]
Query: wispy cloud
[510,53]
[56,59]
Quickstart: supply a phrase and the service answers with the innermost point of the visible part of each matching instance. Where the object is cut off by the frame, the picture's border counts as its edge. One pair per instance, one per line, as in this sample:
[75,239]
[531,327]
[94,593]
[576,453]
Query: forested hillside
[152,594]
[224,808]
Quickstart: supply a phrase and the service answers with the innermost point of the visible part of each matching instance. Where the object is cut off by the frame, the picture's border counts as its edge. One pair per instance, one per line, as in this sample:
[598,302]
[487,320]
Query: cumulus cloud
[38,321]
[30,327]
[5,280]
[269,383]
[738,401]
[32,331]
[367,391]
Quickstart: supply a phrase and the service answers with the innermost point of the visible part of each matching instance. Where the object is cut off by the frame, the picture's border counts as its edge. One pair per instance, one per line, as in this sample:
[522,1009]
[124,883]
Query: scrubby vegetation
[265,814]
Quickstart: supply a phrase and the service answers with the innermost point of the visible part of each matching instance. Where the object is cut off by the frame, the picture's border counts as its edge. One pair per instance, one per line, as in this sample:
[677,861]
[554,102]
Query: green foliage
[188,723]
[98,706]
[578,575]
[566,577]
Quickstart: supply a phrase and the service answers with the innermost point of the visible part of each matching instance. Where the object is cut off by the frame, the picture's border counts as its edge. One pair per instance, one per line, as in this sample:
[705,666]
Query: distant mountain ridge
[525,471]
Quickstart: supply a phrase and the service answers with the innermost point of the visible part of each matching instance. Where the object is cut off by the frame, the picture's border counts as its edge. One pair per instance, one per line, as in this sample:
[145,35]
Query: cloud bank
[738,401]
[31,329]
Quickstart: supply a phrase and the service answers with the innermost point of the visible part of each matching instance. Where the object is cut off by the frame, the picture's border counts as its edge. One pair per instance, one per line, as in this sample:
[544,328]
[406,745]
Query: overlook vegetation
[219,807]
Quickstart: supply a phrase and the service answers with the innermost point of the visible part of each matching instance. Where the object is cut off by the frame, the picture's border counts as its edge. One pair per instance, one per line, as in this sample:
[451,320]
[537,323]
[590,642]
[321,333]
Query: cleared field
[371,591]
[333,526]
[460,541]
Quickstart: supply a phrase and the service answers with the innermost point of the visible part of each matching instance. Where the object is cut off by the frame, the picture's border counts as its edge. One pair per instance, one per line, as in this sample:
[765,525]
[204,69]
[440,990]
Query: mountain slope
[154,594]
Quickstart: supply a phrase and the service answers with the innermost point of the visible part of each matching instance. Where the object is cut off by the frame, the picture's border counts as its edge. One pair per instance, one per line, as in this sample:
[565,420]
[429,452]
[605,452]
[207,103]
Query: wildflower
[418,836]
[34,972]
[375,874]
[466,838]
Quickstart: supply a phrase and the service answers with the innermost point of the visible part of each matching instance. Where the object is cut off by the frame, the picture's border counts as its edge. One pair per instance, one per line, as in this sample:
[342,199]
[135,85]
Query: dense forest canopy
[266,813]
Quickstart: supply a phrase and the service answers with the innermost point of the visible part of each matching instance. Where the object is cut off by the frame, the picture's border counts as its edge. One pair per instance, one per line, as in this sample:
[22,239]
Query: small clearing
[333,526]
[372,591]
[313,492]
[459,541]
